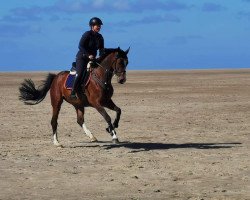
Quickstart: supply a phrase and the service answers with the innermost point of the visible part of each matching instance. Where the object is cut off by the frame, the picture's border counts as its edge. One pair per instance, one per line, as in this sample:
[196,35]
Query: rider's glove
[91,57]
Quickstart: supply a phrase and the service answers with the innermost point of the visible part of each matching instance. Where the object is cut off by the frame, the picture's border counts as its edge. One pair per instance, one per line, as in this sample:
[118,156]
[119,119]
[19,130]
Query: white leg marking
[114,135]
[55,140]
[88,133]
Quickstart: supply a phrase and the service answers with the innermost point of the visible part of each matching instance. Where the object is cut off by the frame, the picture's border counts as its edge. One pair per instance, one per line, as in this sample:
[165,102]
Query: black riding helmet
[95,21]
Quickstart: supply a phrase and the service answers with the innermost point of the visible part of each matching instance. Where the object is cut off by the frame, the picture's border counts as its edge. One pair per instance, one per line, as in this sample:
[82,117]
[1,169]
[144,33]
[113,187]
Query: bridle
[108,72]
[115,71]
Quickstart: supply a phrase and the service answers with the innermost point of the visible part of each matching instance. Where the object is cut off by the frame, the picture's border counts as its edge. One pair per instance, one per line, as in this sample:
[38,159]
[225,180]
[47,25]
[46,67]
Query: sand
[184,134]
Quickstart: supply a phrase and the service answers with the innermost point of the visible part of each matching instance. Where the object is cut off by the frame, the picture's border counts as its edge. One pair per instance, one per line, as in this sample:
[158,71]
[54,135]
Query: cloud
[115,6]
[149,20]
[142,5]
[66,8]
[180,40]
[212,7]
[17,19]
[70,29]
[23,14]
[54,18]
[17,31]
[13,30]
[244,14]
[72,7]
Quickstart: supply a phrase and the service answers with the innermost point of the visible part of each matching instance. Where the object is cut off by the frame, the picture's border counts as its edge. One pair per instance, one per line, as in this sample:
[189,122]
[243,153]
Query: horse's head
[121,62]
[115,61]
[118,63]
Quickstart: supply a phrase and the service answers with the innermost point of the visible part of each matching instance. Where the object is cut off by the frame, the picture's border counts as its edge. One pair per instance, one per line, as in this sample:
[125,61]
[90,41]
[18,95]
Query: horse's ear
[127,51]
[119,49]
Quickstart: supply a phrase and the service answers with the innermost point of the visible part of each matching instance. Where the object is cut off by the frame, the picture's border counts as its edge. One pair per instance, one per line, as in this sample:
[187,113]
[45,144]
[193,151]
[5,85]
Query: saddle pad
[69,82]
[71,77]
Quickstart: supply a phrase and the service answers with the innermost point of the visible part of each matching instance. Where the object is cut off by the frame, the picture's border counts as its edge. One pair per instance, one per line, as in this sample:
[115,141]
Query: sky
[43,35]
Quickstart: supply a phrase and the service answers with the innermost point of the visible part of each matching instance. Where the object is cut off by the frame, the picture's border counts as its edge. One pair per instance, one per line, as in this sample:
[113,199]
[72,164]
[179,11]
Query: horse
[97,93]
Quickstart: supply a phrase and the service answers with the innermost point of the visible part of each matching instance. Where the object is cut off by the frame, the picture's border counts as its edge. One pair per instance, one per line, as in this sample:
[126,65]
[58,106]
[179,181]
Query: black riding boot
[74,87]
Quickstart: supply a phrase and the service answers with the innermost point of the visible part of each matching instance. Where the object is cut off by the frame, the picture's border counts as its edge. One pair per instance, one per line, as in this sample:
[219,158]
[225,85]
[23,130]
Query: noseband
[115,71]
[108,72]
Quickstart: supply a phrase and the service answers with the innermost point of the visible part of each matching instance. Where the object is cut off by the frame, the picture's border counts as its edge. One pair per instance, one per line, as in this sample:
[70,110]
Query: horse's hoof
[59,146]
[93,139]
[115,141]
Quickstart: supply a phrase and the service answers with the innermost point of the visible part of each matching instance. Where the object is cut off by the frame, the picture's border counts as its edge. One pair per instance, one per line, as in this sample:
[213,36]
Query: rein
[115,70]
[108,72]
[104,83]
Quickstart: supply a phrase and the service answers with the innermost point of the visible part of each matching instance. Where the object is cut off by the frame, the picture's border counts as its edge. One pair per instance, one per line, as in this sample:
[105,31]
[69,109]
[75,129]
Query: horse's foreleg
[110,128]
[111,105]
[80,121]
[56,110]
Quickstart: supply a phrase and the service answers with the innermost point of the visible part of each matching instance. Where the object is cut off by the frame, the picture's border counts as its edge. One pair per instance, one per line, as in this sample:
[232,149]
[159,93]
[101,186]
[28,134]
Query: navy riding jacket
[89,43]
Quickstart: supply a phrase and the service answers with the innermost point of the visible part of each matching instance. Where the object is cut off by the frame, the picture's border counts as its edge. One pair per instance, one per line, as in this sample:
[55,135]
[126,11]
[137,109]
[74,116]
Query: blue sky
[170,34]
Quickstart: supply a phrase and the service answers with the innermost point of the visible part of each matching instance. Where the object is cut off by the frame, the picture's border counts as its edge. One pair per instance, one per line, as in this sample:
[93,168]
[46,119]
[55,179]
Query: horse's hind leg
[56,105]
[80,121]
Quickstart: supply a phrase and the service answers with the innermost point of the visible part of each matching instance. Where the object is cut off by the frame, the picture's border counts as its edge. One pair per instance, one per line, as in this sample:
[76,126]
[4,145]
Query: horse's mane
[106,51]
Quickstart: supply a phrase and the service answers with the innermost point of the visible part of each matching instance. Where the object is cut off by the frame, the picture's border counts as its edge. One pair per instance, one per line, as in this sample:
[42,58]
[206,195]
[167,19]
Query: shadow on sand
[148,146]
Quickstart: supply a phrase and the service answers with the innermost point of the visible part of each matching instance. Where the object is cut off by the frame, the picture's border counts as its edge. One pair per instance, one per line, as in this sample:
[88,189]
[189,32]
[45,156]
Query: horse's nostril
[121,81]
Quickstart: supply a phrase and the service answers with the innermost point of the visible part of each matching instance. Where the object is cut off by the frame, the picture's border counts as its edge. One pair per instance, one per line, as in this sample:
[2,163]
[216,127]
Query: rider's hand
[91,57]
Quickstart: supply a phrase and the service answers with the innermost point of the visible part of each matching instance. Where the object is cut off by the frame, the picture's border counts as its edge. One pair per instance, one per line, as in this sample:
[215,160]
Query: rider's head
[95,24]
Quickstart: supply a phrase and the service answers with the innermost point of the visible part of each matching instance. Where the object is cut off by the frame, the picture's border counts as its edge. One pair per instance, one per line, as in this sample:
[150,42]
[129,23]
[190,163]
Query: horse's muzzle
[121,79]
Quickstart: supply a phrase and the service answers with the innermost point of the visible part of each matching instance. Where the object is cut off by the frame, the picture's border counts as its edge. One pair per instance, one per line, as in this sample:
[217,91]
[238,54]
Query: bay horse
[96,93]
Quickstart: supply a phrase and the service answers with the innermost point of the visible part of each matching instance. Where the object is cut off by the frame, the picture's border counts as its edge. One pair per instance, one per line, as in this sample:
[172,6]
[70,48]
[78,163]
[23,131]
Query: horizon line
[170,69]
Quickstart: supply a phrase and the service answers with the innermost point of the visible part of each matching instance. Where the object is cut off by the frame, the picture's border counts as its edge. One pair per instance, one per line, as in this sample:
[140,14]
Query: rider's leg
[80,67]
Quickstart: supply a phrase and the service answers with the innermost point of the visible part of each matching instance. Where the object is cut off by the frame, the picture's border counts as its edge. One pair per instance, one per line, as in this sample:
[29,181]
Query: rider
[90,42]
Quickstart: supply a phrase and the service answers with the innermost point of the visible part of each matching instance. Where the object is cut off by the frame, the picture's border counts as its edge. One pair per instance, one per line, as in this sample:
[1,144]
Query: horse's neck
[107,62]
[105,68]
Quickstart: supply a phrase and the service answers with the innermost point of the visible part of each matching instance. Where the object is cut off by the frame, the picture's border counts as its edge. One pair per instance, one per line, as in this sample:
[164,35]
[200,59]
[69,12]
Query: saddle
[72,74]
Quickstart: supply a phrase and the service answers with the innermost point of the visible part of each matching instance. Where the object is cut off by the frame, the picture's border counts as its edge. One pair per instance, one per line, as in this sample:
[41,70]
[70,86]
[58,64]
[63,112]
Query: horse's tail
[30,95]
